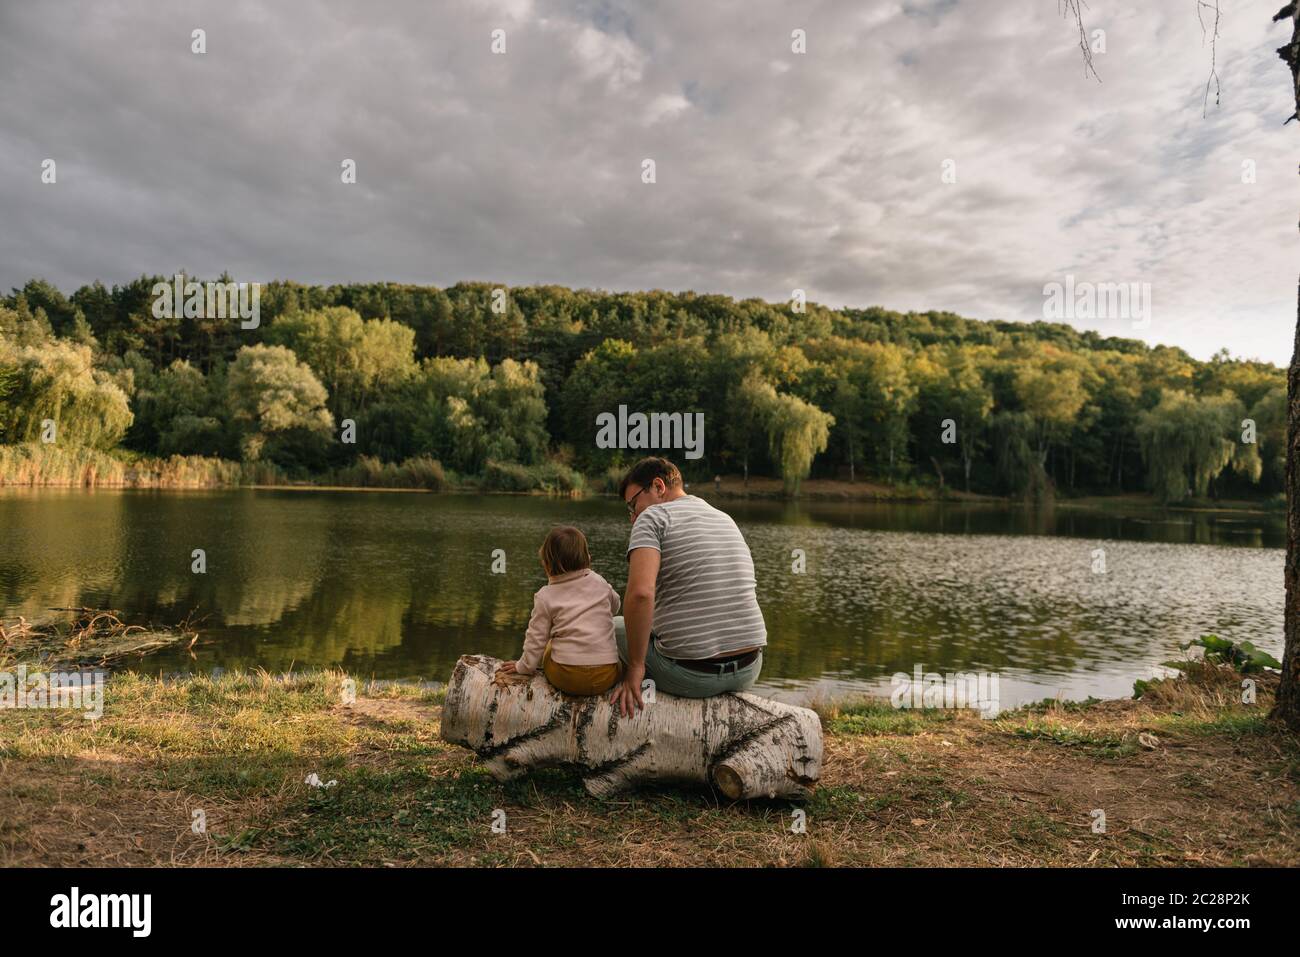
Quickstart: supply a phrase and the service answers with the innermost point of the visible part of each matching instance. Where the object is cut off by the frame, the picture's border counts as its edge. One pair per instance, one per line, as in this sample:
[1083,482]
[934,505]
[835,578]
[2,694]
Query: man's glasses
[631,503]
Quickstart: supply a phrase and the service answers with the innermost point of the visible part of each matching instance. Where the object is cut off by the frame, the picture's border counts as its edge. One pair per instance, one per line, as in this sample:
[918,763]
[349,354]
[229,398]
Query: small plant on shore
[1243,656]
[1216,672]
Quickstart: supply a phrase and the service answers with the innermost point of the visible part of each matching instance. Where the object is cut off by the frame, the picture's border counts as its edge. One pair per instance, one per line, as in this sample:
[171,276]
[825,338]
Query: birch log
[748,746]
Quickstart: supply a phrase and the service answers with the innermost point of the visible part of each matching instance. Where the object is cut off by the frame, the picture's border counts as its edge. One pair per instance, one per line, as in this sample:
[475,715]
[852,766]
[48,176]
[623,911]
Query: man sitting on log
[691,621]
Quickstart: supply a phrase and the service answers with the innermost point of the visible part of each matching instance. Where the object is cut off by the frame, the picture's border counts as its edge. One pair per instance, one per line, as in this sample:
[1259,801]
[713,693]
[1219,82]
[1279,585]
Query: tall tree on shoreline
[1287,706]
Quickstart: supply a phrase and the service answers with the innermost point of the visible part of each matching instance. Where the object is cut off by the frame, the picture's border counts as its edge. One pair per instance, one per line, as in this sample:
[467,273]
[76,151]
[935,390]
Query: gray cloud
[775,170]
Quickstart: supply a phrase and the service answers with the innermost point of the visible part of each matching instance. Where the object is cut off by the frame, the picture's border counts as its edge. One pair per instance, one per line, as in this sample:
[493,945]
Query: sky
[773,170]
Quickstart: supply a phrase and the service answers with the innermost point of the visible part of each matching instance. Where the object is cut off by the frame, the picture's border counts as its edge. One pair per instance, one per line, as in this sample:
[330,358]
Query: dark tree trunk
[1287,706]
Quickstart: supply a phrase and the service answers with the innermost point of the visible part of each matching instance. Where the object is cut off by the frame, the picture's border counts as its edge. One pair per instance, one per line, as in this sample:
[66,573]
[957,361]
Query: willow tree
[55,381]
[1269,416]
[797,431]
[1016,462]
[1187,441]
[8,383]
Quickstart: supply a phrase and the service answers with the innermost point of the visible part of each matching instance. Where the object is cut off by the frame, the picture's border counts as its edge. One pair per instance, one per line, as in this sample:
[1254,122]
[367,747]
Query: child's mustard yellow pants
[579,679]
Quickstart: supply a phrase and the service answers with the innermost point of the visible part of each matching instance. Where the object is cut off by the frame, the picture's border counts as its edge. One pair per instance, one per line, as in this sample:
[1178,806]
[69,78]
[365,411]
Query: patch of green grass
[1097,744]
[882,718]
[671,806]
[404,691]
[397,814]
[1234,723]
[545,786]
[1034,828]
[828,802]
[29,790]
[1052,704]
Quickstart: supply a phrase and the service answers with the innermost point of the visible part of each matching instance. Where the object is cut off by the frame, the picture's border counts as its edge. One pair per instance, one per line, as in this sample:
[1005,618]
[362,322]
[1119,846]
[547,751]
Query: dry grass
[36,464]
[1186,776]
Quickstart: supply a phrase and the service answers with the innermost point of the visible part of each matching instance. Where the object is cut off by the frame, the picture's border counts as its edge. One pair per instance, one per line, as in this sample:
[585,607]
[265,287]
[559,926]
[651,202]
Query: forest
[390,384]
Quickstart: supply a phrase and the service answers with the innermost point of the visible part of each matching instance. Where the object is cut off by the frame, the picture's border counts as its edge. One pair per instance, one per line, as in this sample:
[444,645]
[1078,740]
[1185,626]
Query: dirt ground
[1185,776]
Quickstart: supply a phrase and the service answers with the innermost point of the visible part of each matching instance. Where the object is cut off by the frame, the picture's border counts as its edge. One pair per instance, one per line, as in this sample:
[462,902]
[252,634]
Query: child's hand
[507,667]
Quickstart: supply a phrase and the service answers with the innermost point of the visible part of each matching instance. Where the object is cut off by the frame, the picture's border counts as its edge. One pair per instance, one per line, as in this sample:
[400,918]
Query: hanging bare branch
[1213,33]
[1074,8]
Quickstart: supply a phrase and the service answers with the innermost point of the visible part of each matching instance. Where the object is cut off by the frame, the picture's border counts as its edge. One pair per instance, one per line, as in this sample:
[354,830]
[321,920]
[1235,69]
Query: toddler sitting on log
[571,631]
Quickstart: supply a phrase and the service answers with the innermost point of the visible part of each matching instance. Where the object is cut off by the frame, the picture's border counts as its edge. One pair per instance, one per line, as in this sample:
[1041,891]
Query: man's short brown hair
[565,550]
[649,469]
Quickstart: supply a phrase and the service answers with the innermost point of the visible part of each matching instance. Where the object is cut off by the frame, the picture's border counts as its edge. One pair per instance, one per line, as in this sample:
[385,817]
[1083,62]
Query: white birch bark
[747,746]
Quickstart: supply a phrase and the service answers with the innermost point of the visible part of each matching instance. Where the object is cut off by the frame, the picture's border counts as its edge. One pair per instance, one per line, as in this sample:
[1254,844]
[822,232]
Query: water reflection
[399,585]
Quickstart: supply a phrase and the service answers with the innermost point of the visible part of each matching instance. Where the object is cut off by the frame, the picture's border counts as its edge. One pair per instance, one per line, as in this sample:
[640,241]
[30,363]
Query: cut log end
[746,746]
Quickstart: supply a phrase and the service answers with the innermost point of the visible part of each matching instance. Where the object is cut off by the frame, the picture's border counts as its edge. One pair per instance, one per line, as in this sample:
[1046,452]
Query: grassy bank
[81,467]
[53,466]
[1186,776]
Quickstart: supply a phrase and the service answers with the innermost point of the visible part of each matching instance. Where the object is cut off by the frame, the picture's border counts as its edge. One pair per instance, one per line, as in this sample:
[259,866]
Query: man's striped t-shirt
[705,602]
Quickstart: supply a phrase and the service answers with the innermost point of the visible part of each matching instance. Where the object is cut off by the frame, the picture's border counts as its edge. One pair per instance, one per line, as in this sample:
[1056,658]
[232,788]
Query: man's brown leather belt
[711,665]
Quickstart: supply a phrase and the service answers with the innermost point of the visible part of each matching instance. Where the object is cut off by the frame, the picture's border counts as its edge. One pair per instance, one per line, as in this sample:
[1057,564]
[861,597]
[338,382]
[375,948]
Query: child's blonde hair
[565,550]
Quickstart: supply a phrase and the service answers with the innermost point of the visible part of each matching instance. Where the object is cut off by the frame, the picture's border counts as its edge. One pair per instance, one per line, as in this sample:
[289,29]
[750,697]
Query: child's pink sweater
[575,611]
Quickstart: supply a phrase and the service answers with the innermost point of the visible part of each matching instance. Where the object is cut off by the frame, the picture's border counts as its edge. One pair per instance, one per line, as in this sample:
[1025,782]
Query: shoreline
[822,492]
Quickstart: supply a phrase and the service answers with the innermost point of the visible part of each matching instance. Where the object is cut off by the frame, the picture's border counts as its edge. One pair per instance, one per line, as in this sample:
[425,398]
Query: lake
[398,585]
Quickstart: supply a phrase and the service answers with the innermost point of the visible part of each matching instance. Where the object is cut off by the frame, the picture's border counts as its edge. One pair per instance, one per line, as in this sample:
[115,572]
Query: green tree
[1188,441]
[952,388]
[749,408]
[1049,386]
[351,356]
[277,405]
[797,431]
[179,413]
[56,381]
[1269,413]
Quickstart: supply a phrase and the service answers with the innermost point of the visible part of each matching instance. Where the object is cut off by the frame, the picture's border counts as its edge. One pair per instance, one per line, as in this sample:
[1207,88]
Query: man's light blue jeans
[672,678]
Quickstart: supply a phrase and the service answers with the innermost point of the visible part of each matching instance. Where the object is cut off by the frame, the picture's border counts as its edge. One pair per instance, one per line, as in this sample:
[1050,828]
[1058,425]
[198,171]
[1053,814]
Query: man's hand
[627,693]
